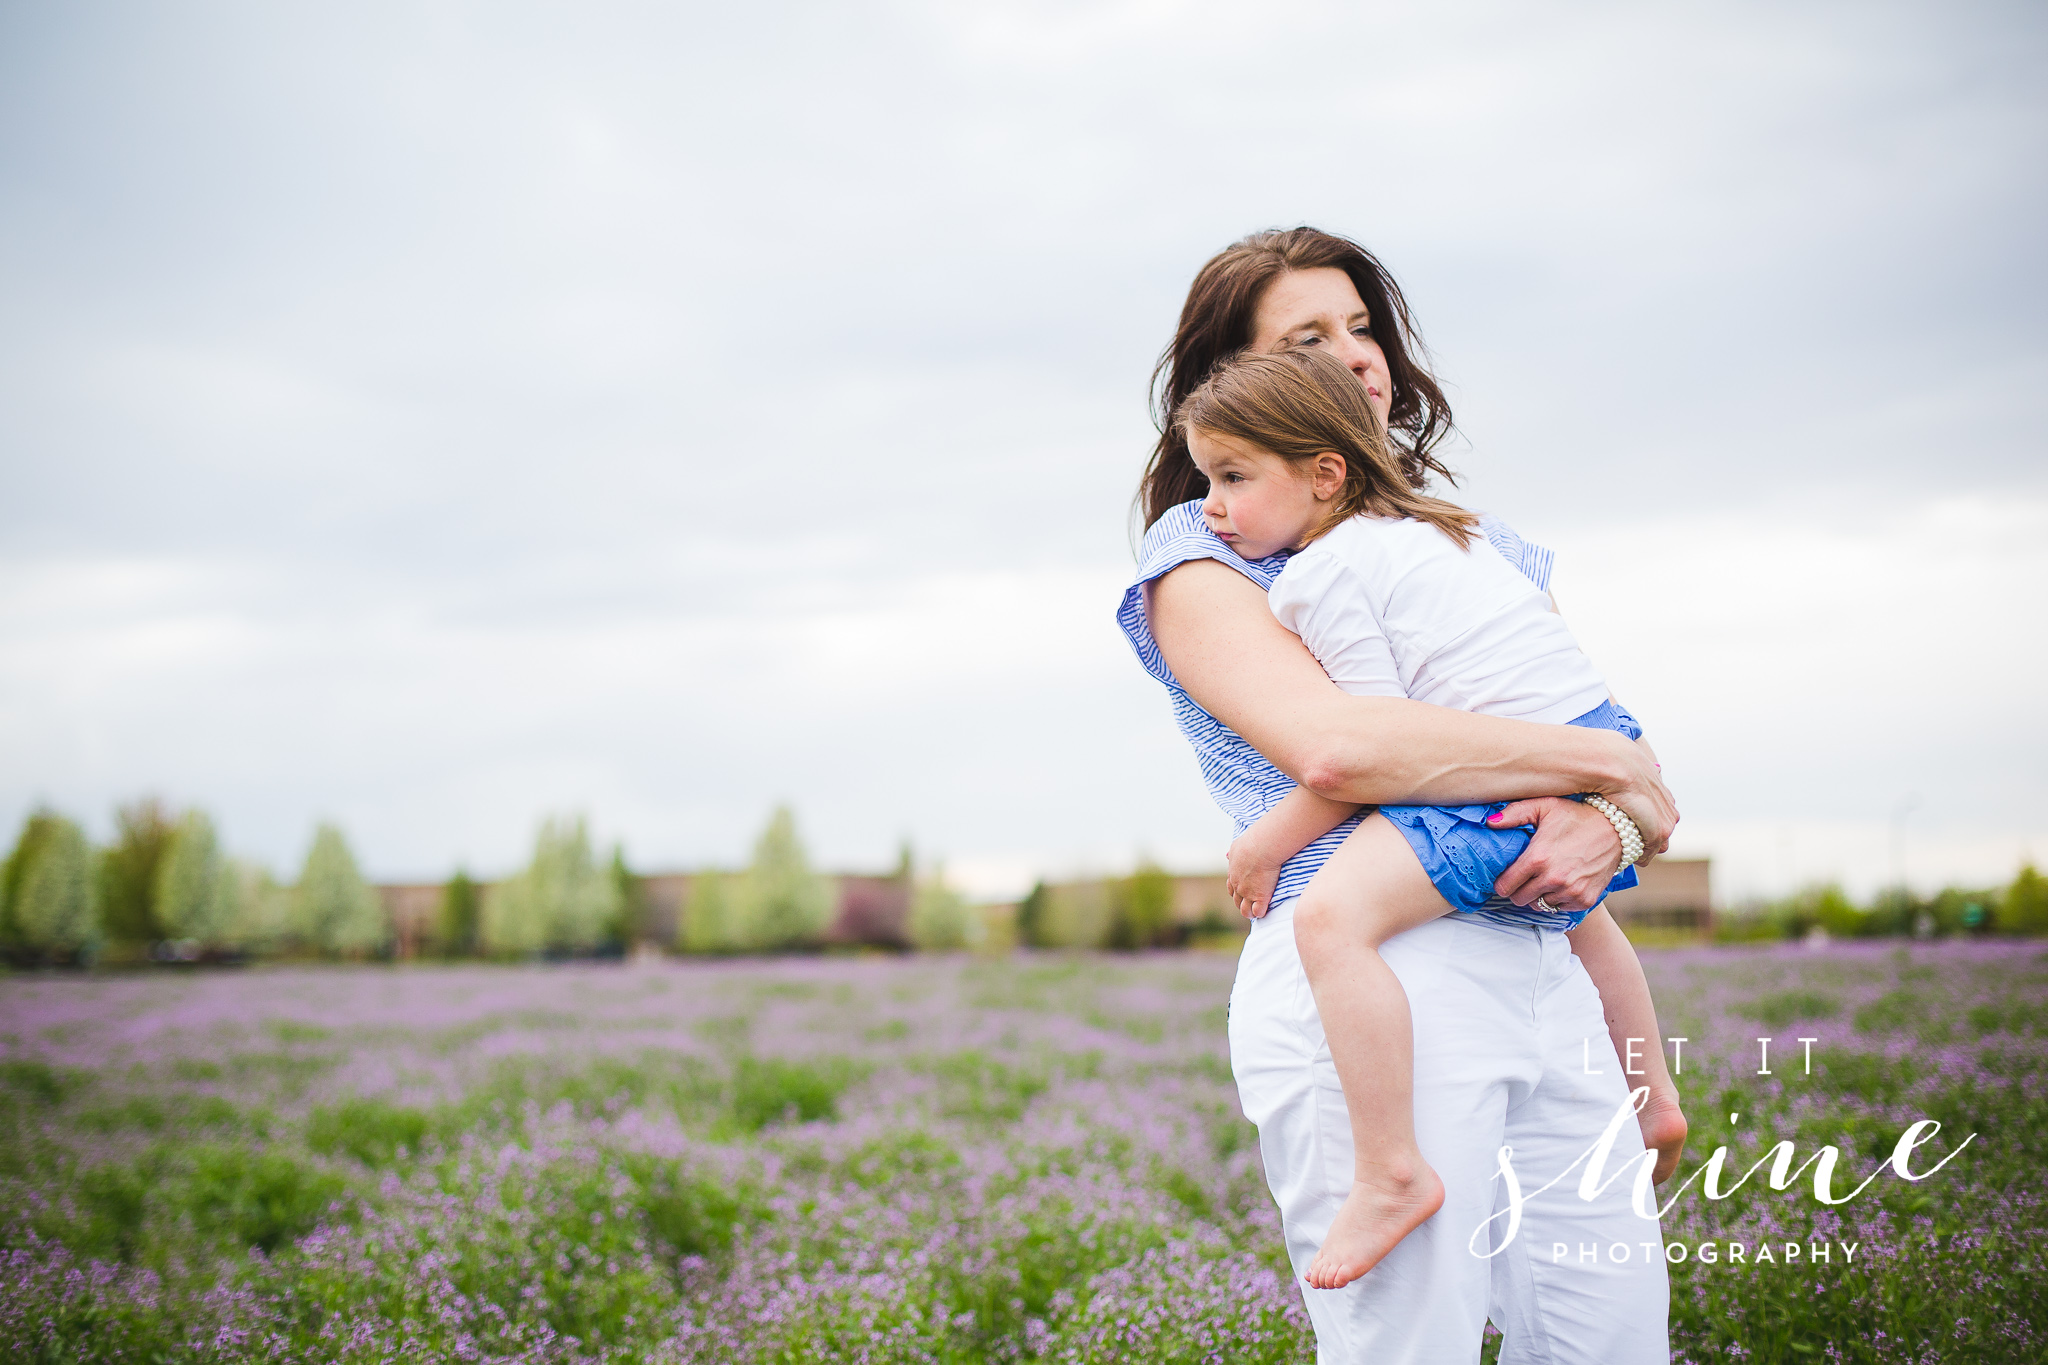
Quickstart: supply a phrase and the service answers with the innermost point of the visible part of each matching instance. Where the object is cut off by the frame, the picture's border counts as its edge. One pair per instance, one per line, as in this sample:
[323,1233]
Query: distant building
[666,894]
[1675,893]
[866,909]
[414,909]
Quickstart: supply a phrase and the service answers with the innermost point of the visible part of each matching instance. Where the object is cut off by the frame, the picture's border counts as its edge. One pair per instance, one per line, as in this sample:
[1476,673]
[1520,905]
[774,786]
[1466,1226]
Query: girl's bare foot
[1380,1211]
[1663,1125]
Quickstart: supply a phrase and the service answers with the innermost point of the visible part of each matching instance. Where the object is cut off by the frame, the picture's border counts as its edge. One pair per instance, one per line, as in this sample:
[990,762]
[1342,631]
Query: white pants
[1502,1022]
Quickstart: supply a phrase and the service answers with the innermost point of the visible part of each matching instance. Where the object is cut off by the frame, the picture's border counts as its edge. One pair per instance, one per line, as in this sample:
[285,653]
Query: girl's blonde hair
[1299,404]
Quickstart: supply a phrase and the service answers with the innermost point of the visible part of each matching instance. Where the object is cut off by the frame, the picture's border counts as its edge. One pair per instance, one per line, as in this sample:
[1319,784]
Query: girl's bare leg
[1371,889]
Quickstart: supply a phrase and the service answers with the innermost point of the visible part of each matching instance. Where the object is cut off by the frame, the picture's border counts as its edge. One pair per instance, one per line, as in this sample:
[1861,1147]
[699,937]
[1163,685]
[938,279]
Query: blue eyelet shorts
[1464,856]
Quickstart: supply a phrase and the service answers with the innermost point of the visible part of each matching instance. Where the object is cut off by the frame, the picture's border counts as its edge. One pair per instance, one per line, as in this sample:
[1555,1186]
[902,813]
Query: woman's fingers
[1654,812]
[1518,813]
[1647,801]
[1528,879]
[1570,859]
[1644,797]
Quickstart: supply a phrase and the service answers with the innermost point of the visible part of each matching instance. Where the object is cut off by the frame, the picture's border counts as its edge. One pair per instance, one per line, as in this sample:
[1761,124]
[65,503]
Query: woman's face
[1321,308]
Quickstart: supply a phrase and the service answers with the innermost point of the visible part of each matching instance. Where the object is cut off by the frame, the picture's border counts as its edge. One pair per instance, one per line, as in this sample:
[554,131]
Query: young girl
[1396,594]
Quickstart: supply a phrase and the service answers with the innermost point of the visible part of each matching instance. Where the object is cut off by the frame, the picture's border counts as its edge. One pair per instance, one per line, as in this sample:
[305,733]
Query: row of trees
[164,886]
[566,902]
[779,903]
[1119,912]
[2021,907]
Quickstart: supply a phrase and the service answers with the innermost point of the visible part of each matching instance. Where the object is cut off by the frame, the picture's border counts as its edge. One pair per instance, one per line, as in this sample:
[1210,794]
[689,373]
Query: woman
[1512,1045]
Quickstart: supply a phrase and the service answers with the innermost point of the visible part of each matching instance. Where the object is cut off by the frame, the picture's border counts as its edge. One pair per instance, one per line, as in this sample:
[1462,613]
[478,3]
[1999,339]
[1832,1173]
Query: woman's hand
[1569,862]
[1252,876]
[1642,796]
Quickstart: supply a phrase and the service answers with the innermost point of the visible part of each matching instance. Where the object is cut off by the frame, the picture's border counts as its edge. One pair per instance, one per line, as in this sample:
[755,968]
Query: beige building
[414,909]
[1676,893]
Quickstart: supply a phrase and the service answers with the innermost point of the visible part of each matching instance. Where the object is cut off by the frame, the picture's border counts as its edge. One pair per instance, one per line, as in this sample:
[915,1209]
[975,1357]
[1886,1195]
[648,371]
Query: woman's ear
[1328,475]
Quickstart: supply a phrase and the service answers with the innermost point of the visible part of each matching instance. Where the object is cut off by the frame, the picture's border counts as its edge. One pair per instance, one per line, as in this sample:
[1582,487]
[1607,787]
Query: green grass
[899,1161]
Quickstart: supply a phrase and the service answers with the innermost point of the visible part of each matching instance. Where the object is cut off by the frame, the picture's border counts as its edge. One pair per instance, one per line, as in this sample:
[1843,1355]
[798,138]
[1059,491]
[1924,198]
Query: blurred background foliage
[334,909]
[165,890]
[562,902]
[779,902]
[1824,909]
[940,918]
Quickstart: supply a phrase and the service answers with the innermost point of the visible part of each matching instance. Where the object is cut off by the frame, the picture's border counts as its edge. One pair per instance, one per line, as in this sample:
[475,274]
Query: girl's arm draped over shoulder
[1244,668]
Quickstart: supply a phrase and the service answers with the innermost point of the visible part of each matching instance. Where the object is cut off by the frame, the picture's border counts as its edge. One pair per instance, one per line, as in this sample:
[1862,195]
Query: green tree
[1892,911]
[335,909]
[707,919]
[1080,914]
[940,919]
[1817,905]
[143,831]
[195,889]
[780,902]
[1034,920]
[461,915]
[35,832]
[264,915]
[1141,909]
[629,919]
[1964,910]
[2023,909]
[562,901]
[50,892]
[1831,908]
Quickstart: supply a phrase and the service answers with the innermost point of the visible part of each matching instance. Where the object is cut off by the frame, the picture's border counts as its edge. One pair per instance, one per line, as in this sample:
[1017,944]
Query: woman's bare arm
[1250,672]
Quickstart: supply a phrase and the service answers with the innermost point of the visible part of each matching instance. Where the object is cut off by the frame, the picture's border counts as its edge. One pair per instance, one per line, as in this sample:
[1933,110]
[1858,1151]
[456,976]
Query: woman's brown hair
[1216,323]
[1300,404]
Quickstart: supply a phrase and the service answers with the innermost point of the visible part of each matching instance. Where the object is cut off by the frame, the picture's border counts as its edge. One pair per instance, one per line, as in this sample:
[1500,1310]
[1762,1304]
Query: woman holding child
[1433,985]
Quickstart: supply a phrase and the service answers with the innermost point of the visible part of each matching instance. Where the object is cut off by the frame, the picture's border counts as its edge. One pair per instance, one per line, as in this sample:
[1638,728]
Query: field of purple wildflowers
[916,1159]
[1949,1268]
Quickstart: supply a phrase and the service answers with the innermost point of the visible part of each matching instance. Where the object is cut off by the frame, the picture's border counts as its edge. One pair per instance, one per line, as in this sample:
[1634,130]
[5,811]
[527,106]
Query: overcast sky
[432,416]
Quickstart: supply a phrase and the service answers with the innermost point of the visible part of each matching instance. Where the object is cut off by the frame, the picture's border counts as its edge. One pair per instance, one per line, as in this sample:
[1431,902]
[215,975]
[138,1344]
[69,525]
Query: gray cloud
[435,416]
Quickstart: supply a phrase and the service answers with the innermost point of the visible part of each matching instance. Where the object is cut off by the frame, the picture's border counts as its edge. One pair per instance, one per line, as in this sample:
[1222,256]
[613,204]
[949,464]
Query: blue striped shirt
[1240,779]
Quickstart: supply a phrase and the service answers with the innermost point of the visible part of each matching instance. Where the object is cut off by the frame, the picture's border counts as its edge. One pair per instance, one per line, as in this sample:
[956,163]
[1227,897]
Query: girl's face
[1258,503]
[1321,308]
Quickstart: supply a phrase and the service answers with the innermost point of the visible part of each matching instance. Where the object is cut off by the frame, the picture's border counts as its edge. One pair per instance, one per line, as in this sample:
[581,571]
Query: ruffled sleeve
[1532,559]
[1173,540]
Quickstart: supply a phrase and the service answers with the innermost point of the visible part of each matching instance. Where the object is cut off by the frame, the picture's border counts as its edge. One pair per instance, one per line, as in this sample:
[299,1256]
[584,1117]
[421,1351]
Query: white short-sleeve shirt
[1395,608]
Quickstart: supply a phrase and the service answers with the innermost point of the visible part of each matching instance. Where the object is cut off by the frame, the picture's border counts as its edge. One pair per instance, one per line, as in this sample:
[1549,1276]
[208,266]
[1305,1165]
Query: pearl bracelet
[1631,836]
